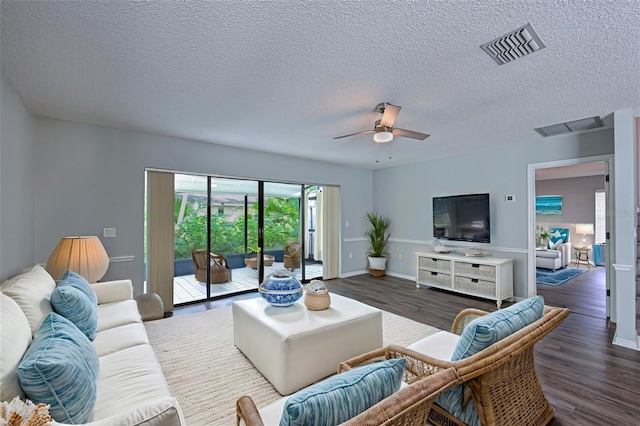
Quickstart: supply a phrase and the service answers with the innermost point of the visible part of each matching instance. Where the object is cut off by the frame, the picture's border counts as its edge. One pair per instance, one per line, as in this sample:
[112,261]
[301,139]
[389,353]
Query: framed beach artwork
[549,205]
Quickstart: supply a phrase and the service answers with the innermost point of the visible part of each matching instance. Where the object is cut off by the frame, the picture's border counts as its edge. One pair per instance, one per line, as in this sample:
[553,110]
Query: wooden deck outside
[187,289]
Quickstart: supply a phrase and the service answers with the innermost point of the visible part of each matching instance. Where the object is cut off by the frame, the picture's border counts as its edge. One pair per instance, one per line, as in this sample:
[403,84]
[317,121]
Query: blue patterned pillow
[75,306]
[343,396]
[558,236]
[479,334]
[483,332]
[72,279]
[60,368]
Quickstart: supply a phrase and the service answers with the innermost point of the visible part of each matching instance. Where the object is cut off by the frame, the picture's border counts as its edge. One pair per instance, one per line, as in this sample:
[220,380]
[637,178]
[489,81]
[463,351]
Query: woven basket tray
[318,299]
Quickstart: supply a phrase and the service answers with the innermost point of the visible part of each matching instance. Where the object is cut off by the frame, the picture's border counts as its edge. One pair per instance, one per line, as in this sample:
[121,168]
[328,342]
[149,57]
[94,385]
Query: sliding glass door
[228,234]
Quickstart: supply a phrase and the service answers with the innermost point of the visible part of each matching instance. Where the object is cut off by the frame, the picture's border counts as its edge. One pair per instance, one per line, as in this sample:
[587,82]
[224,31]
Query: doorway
[573,185]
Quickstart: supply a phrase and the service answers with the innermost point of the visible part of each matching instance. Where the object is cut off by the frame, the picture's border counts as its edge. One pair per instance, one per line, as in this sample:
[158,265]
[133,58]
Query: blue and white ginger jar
[280,288]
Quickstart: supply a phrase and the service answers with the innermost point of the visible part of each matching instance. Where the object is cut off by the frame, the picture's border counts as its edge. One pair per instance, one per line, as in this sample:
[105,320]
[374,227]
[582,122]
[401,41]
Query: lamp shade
[85,256]
[584,228]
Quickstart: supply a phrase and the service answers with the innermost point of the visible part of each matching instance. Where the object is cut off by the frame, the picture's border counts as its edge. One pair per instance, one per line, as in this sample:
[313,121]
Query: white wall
[17,169]
[404,194]
[90,177]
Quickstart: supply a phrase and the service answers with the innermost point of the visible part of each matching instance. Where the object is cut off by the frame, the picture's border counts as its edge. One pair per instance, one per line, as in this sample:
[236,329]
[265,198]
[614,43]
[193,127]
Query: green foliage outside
[227,237]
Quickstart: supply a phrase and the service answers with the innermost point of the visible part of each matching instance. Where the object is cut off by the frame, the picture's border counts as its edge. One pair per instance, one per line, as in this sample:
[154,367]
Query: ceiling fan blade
[389,116]
[410,134]
[353,134]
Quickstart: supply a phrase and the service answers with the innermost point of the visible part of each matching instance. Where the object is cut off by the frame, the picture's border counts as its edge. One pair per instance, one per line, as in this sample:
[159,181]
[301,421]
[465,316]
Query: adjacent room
[330,212]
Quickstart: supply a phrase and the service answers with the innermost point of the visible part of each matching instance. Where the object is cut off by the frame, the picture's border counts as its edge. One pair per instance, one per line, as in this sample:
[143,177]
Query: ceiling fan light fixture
[383,135]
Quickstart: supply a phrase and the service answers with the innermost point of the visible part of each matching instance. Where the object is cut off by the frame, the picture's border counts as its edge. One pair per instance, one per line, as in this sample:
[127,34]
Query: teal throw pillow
[558,236]
[72,279]
[488,329]
[343,396]
[75,306]
[478,335]
[60,368]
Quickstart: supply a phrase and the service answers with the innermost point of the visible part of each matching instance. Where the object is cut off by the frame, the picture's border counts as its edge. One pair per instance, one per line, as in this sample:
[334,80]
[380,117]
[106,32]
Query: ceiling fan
[383,130]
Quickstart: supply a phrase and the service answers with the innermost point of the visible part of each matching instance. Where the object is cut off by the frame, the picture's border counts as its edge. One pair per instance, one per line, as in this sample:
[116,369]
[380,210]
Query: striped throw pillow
[479,334]
[60,368]
[75,306]
[72,279]
[343,396]
[483,332]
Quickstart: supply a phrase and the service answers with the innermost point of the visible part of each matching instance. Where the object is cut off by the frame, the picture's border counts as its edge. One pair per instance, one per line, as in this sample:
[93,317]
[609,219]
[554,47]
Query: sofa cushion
[60,368]
[128,380]
[14,342]
[115,314]
[343,396]
[72,279]
[439,345]
[74,305]
[118,338]
[32,291]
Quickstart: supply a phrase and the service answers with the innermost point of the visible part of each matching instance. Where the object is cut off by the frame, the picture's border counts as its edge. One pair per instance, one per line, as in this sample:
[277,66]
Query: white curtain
[330,232]
[160,228]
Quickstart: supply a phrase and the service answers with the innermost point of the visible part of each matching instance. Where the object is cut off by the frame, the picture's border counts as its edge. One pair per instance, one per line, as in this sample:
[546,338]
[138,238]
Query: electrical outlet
[511,198]
[109,232]
[350,255]
[399,256]
[346,224]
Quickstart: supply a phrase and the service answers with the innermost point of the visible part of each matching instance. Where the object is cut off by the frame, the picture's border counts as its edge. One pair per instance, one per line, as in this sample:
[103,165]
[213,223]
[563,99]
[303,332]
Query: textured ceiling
[287,76]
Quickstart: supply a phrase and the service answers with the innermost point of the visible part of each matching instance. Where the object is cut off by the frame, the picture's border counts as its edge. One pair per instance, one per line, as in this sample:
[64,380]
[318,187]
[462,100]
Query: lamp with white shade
[584,229]
[84,255]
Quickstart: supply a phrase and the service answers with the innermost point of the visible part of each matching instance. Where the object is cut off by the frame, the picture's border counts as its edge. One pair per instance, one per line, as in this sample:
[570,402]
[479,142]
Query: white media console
[485,276]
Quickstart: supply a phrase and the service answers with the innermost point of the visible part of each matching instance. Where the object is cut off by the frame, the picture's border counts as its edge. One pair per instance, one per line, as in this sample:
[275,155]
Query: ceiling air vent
[513,45]
[571,126]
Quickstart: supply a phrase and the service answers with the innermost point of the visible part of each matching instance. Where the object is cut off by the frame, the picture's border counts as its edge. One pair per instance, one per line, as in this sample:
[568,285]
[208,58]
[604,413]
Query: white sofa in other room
[131,388]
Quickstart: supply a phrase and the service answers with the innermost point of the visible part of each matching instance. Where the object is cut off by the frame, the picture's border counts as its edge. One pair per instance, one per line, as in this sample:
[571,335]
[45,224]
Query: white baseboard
[406,277]
[626,342]
[366,271]
[354,273]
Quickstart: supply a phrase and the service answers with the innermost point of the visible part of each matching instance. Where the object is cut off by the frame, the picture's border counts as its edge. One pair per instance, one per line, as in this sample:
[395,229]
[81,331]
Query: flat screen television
[462,218]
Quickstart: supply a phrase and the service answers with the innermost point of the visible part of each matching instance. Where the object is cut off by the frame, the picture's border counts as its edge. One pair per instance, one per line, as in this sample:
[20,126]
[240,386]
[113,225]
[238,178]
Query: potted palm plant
[378,236]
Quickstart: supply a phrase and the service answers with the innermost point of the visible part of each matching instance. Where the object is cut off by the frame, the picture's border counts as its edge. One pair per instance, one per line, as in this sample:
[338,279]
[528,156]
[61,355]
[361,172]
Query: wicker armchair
[409,406]
[500,380]
[292,254]
[219,267]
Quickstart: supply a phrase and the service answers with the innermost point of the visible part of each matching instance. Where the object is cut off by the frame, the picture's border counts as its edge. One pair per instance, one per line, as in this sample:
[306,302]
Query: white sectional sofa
[131,388]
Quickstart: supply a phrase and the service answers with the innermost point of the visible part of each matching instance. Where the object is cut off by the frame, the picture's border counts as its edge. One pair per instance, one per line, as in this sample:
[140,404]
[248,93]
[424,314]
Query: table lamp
[584,229]
[84,255]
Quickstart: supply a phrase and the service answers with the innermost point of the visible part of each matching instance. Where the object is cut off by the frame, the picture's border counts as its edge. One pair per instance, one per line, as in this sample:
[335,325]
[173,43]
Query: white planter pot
[379,263]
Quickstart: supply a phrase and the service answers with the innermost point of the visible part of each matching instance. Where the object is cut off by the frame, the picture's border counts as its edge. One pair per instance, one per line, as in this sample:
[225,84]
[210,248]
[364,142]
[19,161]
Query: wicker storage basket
[316,297]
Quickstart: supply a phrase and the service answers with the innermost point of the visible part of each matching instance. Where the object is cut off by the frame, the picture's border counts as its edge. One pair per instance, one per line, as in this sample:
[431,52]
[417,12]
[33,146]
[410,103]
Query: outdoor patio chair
[292,254]
[219,267]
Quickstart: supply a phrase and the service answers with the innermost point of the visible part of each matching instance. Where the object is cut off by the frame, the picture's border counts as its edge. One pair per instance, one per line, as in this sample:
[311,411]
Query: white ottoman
[294,347]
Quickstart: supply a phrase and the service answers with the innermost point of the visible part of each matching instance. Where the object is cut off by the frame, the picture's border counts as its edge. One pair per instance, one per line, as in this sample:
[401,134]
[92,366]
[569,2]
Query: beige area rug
[207,373]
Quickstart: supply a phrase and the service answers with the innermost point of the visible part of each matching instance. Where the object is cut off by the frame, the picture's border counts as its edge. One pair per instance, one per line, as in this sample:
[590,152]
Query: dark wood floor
[584,294]
[588,380]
